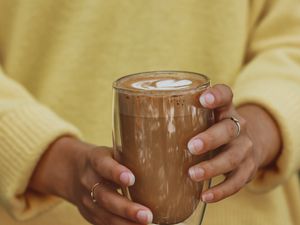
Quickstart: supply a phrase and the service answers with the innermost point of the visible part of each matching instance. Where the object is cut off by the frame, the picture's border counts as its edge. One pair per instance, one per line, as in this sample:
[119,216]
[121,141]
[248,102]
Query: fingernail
[144,216]
[195,146]
[207,99]
[127,178]
[207,197]
[196,173]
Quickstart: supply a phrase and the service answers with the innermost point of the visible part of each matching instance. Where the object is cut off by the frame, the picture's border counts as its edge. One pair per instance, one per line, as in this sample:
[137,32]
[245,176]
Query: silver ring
[238,125]
[93,191]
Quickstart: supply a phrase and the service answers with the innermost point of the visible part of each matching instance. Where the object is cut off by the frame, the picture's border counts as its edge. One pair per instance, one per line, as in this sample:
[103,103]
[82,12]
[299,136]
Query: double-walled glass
[151,129]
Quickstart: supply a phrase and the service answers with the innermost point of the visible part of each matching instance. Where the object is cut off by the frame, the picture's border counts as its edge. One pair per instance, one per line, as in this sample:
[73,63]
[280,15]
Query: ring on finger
[98,184]
[238,125]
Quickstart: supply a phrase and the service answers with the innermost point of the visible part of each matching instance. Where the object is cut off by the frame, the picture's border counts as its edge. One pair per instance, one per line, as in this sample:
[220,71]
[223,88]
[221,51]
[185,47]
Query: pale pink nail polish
[196,173]
[192,173]
[144,216]
[127,178]
[207,197]
[199,173]
[207,99]
[195,146]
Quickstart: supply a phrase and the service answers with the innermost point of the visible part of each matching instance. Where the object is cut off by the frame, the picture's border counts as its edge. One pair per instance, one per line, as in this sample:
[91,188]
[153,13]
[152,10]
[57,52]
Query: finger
[110,219]
[116,220]
[99,216]
[104,164]
[217,135]
[224,162]
[231,185]
[119,205]
[218,96]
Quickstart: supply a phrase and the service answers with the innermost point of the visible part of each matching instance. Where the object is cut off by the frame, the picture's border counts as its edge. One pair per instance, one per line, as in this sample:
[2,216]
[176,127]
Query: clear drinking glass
[155,115]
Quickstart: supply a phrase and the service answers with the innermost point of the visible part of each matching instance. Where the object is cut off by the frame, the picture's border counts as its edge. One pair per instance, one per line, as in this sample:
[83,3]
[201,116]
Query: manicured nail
[144,216]
[196,173]
[195,146]
[207,99]
[207,197]
[127,178]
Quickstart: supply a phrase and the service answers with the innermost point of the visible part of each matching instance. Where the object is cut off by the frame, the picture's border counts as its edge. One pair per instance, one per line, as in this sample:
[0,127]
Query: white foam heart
[155,84]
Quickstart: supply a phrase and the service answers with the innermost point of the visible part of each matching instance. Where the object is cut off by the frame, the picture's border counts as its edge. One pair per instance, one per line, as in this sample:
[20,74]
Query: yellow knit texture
[58,60]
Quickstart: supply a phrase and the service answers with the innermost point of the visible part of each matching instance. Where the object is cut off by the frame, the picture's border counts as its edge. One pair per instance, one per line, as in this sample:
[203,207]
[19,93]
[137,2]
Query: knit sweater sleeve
[26,130]
[271,79]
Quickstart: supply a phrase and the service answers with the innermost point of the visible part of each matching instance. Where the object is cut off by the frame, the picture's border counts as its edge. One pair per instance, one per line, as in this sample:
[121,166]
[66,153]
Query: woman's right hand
[70,168]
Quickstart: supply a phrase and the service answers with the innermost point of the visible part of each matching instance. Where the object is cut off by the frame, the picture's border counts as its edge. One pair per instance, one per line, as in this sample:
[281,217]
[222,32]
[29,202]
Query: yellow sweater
[59,58]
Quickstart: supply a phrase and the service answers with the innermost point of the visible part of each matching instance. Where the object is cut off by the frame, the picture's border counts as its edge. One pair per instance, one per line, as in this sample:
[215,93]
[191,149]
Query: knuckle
[115,172]
[229,189]
[233,160]
[102,199]
[93,160]
[99,157]
[109,168]
[128,212]
[208,138]
[248,146]
[94,157]
[219,194]
[243,123]
[84,181]
[208,168]
[228,90]
[236,186]
[252,170]
[224,90]
[242,180]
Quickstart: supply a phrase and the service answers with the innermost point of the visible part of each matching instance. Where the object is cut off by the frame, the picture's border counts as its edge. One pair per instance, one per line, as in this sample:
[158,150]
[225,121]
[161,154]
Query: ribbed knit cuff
[25,133]
[281,99]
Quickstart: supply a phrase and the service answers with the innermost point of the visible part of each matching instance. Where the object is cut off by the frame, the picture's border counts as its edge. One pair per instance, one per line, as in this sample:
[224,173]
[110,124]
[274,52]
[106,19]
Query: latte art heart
[158,84]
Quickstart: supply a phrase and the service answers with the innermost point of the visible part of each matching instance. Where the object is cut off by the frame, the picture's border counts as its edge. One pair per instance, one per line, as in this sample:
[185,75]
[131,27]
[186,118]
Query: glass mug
[155,115]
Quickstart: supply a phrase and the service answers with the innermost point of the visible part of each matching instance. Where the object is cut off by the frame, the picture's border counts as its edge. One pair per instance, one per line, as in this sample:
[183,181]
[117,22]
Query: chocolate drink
[158,114]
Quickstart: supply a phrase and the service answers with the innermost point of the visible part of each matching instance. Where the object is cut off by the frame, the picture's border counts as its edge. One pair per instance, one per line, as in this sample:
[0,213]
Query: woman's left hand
[243,153]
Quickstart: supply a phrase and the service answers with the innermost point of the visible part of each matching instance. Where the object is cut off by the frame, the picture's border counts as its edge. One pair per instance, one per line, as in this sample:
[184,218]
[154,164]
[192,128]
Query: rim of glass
[159,92]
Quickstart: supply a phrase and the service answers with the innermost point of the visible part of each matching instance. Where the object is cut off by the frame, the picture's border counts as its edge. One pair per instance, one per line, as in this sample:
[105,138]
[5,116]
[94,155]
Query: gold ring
[93,191]
[238,125]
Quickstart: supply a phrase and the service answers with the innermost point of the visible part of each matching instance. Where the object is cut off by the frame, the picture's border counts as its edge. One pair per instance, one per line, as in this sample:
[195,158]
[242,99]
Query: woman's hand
[242,155]
[70,168]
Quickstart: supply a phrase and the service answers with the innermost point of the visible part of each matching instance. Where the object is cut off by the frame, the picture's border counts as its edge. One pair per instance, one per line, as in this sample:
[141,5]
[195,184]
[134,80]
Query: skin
[79,165]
